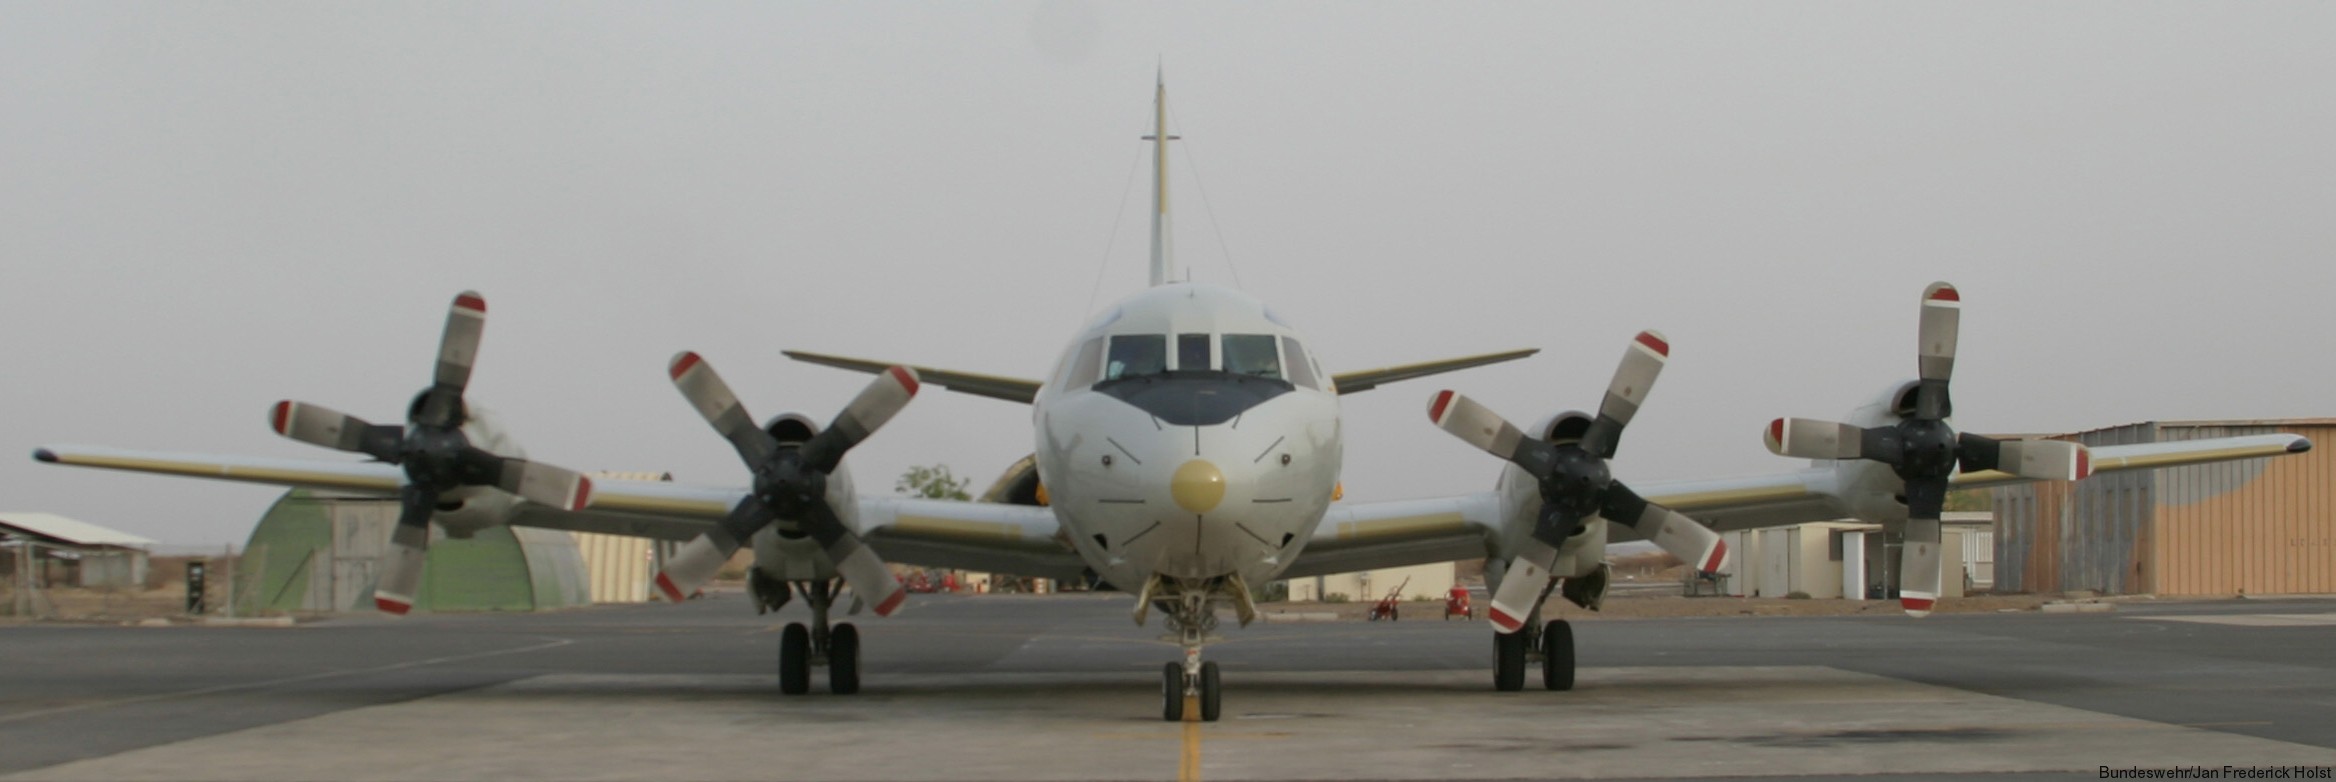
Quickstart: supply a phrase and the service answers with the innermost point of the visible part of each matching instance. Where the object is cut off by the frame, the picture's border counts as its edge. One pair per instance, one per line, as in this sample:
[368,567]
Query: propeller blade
[1918,571]
[458,348]
[1642,364]
[318,425]
[858,564]
[1809,438]
[1521,586]
[1481,427]
[2043,460]
[698,559]
[409,548]
[543,484]
[1918,568]
[875,405]
[1942,314]
[1668,529]
[705,391]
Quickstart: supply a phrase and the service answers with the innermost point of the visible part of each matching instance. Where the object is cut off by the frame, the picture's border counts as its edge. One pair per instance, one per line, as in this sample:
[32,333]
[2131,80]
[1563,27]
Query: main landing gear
[1188,606]
[804,648]
[1550,644]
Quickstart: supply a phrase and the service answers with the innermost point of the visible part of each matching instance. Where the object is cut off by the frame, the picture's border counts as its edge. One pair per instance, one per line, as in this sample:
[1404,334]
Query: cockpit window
[1085,367]
[1192,352]
[1137,354]
[1252,355]
[1301,371]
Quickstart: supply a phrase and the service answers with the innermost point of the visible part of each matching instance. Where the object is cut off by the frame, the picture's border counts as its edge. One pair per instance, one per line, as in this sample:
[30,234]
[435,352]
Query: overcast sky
[208,207]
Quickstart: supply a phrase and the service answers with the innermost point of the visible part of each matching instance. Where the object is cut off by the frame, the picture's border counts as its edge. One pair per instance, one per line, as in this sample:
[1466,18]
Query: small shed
[71,551]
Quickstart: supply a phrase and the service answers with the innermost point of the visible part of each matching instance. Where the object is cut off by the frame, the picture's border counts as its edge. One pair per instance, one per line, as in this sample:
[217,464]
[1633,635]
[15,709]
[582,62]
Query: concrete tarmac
[1064,687]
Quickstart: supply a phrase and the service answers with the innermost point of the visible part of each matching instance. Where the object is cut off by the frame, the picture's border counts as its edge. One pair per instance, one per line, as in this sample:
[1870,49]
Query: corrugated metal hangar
[2253,526]
[316,552]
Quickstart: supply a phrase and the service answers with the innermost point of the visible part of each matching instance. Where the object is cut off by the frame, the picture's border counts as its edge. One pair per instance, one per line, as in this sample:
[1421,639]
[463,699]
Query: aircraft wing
[1370,535]
[1813,495]
[360,477]
[1365,380]
[992,386]
[1023,540]
[643,509]
[2150,456]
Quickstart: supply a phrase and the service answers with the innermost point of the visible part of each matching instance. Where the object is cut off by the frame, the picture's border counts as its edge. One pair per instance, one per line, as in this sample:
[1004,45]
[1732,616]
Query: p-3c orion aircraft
[1187,448]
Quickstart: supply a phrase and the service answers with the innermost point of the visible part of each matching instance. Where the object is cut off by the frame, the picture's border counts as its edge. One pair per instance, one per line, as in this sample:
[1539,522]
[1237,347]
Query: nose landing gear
[1189,608]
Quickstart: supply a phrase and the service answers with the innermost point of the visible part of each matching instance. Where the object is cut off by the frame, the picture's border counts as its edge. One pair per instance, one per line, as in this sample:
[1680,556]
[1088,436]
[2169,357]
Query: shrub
[1335,597]
[1796,595]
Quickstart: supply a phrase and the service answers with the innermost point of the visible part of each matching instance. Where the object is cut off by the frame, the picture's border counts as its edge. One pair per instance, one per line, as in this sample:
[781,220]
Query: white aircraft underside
[1189,444]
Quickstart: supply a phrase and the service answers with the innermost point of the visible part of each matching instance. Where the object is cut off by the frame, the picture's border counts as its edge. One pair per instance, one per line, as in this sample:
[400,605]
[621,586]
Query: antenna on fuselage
[1162,273]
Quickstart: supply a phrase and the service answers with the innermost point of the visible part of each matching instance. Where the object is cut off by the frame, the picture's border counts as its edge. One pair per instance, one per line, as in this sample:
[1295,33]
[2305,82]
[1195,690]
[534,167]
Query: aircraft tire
[794,659]
[1508,671]
[1172,692]
[843,660]
[1557,655]
[1211,693]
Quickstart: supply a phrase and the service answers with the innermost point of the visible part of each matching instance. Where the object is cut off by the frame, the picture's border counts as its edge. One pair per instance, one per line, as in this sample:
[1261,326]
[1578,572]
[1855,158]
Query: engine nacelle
[1562,428]
[1019,485]
[464,511]
[791,428]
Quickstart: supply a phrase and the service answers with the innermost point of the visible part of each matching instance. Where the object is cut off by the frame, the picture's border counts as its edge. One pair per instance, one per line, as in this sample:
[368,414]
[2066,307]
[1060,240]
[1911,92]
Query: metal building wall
[2259,526]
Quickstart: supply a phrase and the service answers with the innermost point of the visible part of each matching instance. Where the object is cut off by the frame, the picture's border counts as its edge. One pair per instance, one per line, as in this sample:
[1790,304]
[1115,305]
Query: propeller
[1925,451]
[436,455]
[789,482]
[1575,483]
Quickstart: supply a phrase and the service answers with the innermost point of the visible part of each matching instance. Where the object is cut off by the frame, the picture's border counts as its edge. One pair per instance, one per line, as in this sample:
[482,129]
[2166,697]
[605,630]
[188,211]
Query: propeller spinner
[435,453]
[1925,451]
[1575,483]
[790,483]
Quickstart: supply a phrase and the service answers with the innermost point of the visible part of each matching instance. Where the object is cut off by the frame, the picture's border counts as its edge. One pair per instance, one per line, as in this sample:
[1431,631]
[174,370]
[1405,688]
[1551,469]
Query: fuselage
[1188,433]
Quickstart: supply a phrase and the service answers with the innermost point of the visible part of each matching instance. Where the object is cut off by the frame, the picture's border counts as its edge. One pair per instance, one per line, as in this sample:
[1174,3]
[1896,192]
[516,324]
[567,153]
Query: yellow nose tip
[1198,486]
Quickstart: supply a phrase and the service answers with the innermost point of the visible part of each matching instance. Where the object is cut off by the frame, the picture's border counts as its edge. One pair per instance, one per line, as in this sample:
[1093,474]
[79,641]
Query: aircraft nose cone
[1197,486]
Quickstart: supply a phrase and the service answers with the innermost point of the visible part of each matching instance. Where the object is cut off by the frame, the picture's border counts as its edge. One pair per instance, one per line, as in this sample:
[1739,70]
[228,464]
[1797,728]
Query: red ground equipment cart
[1386,607]
[1456,603]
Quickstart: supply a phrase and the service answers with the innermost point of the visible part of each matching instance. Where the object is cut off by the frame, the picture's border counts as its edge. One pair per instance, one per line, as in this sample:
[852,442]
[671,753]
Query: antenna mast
[1162,271]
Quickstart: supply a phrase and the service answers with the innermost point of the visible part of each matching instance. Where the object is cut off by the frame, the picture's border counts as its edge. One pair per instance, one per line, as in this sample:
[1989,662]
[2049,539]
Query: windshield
[1136,354]
[1252,355]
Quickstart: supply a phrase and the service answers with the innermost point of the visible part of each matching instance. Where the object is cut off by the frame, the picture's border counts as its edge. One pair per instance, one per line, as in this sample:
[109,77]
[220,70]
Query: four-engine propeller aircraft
[1187,447]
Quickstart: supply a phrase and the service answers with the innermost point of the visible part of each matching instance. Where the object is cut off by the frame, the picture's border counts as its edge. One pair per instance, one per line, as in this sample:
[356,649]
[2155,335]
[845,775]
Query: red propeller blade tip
[1436,408]
[472,302]
[390,605]
[665,585]
[683,363]
[1507,623]
[282,417]
[1921,604]
[892,603]
[1655,343]
[583,493]
[907,379]
[1776,432]
[1719,556]
[1946,293]
[2084,464]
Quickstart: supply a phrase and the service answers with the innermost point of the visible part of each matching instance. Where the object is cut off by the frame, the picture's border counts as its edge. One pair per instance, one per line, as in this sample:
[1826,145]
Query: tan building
[1849,559]
[2254,526]
[1418,582]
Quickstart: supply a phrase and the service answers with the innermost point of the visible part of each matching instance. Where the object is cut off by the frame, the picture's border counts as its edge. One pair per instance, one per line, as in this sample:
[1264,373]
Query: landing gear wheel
[1557,655]
[1211,694]
[1508,661]
[843,659]
[1172,693]
[795,659]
